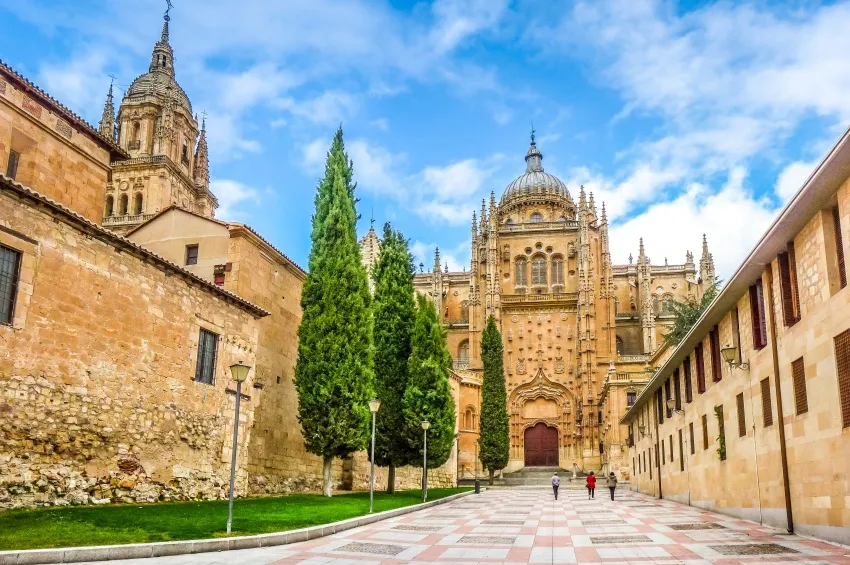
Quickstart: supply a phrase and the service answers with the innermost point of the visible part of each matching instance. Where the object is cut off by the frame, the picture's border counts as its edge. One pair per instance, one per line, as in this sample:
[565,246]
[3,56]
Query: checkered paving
[526,526]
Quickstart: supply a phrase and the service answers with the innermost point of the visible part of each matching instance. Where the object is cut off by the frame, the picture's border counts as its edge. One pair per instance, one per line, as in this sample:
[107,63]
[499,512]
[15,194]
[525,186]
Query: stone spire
[604,215]
[533,158]
[647,313]
[162,59]
[582,200]
[474,227]
[437,260]
[493,216]
[706,265]
[641,252]
[107,119]
[201,166]
[483,223]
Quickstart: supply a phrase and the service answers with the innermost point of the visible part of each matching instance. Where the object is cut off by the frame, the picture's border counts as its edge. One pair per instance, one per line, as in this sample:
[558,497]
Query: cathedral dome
[535,182]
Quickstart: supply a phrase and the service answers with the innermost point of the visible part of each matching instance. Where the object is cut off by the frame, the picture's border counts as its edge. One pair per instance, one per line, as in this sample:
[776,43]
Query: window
[742,423]
[677,389]
[655,307]
[12,164]
[469,419]
[644,461]
[842,362]
[667,304]
[137,131]
[667,396]
[633,463]
[109,209]
[757,315]
[788,286]
[681,452]
[839,247]
[691,436]
[721,432]
[736,334]
[704,431]
[536,217]
[663,453]
[122,205]
[767,411]
[700,361]
[538,271]
[659,402]
[137,204]
[714,341]
[671,448]
[192,254]
[599,419]
[689,392]
[184,156]
[557,271]
[521,272]
[464,311]
[798,374]
[10,266]
[650,463]
[620,345]
[207,346]
[463,352]
[630,399]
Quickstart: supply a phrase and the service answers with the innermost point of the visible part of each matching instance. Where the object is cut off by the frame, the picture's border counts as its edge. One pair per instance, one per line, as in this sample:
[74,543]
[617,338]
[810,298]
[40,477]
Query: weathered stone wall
[99,400]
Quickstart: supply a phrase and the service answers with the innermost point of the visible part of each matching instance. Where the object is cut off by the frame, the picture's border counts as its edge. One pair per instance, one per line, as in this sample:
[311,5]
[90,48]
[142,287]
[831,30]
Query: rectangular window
[736,334]
[757,315]
[788,286]
[700,361]
[681,452]
[839,247]
[767,411]
[207,348]
[630,399]
[677,389]
[12,164]
[10,266]
[671,448]
[650,463]
[644,461]
[691,436]
[721,431]
[663,453]
[704,431]
[742,424]
[667,396]
[714,341]
[659,402]
[842,362]
[192,254]
[689,391]
[798,374]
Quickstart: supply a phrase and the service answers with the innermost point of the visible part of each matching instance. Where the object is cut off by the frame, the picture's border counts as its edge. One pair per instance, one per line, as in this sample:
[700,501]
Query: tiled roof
[264,240]
[118,241]
[59,108]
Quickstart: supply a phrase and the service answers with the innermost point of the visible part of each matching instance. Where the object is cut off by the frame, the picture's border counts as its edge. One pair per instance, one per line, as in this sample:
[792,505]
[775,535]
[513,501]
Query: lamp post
[239,372]
[730,353]
[477,484]
[425,425]
[374,405]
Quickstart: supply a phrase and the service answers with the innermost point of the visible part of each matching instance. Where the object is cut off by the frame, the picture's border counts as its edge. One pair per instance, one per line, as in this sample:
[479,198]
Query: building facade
[580,333]
[750,414]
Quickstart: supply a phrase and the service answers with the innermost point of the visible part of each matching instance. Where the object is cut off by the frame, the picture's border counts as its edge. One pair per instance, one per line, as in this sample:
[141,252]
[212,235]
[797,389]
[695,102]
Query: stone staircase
[542,477]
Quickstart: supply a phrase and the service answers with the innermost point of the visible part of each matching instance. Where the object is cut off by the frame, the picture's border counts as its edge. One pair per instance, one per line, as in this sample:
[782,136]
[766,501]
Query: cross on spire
[532,133]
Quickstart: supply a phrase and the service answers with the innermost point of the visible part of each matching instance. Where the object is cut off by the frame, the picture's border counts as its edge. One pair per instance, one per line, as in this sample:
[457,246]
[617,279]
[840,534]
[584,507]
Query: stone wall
[99,401]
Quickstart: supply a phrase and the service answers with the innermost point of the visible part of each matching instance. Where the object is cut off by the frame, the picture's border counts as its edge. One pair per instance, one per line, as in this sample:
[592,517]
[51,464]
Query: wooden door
[541,446]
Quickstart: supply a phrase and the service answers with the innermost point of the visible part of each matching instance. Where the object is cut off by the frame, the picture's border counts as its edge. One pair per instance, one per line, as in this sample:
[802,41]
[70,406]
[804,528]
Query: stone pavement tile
[585,554]
[552,555]
[476,553]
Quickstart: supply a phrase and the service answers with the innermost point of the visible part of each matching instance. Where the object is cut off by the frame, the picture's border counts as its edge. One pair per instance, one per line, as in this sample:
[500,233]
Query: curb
[162,549]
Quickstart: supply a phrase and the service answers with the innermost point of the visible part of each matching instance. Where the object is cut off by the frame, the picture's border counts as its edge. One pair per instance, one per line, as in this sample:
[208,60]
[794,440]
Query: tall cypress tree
[394,312]
[495,431]
[334,373]
[429,395]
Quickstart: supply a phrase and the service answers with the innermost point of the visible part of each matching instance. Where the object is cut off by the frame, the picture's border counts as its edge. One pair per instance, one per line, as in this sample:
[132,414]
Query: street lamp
[730,353]
[671,405]
[239,372]
[425,425]
[477,484]
[374,405]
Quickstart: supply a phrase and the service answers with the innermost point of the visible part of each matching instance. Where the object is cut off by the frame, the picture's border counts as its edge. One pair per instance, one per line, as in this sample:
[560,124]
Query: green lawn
[133,523]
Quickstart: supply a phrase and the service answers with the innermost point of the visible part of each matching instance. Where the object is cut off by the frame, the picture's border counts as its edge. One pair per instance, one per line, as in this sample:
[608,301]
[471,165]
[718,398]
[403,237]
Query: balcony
[539,226]
[460,364]
[554,297]
[125,220]
[458,323]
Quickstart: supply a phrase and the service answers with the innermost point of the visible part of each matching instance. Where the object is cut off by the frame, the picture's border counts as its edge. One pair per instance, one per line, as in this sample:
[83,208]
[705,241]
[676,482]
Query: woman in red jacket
[591,485]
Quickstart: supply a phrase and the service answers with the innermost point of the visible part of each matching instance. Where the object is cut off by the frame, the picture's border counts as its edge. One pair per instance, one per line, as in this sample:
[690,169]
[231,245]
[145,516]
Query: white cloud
[459,19]
[457,257]
[381,124]
[230,194]
[329,108]
[376,170]
[792,178]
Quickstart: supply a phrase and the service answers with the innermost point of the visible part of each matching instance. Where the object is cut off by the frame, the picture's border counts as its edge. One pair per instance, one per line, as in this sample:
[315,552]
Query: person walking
[591,485]
[556,482]
[611,482]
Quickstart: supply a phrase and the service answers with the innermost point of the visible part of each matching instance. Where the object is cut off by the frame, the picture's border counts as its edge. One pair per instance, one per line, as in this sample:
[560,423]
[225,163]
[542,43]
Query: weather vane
[532,132]
[168,9]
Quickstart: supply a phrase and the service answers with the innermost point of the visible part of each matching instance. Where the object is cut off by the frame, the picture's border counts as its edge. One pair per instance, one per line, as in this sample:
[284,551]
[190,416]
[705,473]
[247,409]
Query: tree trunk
[391,479]
[326,475]
[491,477]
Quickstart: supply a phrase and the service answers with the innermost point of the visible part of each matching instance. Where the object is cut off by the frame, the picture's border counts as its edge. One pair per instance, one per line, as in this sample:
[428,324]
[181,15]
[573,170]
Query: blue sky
[684,117]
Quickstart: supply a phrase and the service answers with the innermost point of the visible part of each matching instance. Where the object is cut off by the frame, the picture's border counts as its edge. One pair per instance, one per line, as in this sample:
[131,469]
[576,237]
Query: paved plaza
[528,526]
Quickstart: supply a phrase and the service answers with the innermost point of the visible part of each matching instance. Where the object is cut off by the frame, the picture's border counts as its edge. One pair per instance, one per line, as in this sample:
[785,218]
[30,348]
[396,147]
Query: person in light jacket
[556,482]
[611,482]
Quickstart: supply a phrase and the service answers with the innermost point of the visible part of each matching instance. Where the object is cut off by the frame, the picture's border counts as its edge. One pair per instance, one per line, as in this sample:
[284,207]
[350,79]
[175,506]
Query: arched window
[137,203]
[562,219]
[558,270]
[122,205]
[137,131]
[538,271]
[616,306]
[536,217]
[464,311]
[110,207]
[185,155]
[463,352]
[619,345]
[521,276]
[667,304]
[469,418]
[510,222]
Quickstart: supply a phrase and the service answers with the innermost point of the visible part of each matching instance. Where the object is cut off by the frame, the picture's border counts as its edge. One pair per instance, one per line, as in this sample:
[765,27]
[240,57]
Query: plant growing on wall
[495,431]
[721,433]
[686,314]
[394,312]
[334,372]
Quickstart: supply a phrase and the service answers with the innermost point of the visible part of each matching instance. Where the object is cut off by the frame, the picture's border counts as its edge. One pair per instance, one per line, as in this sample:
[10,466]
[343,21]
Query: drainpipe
[781,415]
[657,461]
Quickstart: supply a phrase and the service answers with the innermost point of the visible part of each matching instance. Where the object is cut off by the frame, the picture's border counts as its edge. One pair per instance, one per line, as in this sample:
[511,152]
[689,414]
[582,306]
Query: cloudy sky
[684,117]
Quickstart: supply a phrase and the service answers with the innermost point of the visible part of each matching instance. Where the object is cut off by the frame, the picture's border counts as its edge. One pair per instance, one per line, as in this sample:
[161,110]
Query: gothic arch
[123,205]
[110,206]
[138,202]
[536,388]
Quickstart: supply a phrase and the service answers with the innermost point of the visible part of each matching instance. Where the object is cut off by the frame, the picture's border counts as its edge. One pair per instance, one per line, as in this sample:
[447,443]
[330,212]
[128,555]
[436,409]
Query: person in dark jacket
[556,482]
[591,485]
[611,483]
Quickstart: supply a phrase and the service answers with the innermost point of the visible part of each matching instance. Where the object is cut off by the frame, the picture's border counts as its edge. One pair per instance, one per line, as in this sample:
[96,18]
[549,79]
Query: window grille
[12,164]
[757,315]
[767,411]
[842,361]
[558,271]
[788,286]
[521,272]
[798,374]
[538,271]
[839,247]
[207,348]
[10,266]
[191,254]
[742,424]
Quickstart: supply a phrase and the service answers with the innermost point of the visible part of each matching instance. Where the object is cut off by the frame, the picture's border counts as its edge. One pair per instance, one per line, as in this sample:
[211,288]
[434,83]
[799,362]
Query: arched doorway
[541,446]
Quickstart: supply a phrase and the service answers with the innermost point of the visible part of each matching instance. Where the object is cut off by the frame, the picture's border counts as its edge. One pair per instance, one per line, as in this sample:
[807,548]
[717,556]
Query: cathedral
[581,334]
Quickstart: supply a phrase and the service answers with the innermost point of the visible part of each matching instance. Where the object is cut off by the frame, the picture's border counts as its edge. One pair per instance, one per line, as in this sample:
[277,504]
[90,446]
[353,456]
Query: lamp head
[729,353]
[671,404]
[374,405]
[425,425]
[239,372]
[642,430]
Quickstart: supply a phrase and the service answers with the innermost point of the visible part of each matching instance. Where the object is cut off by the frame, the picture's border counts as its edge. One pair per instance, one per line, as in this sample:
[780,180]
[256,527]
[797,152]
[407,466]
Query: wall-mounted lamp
[642,431]
[730,353]
[671,405]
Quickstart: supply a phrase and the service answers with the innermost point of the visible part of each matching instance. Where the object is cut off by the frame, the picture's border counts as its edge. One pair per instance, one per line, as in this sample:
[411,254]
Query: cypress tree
[495,432]
[334,372]
[428,395]
[394,312]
